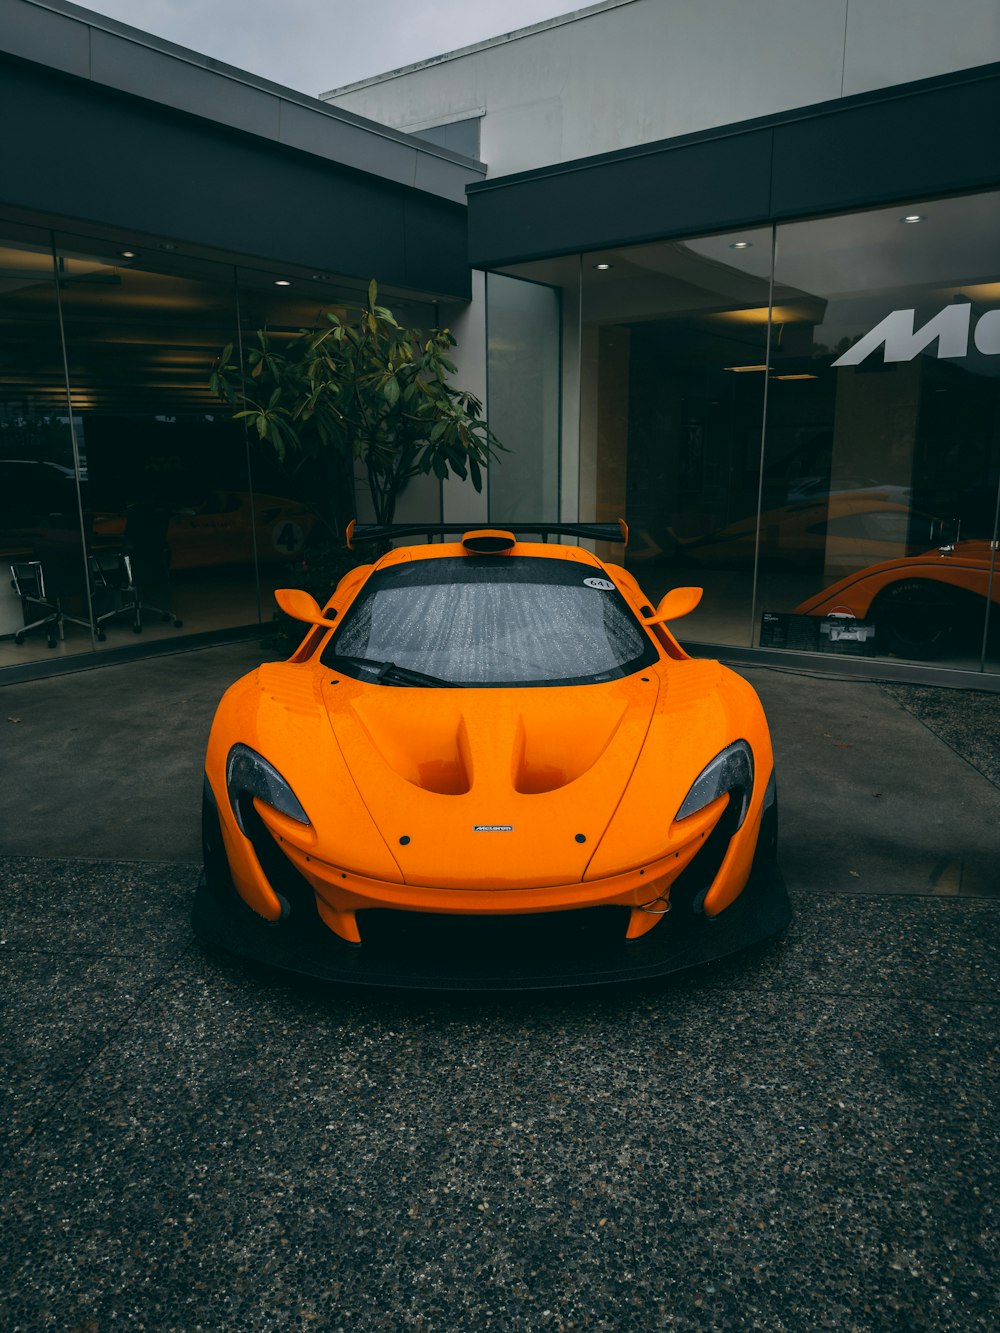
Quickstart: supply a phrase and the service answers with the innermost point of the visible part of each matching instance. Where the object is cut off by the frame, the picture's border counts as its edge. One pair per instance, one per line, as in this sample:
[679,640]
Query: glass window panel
[882,457]
[171,511]
[524,399]
[673,371]
[44,578]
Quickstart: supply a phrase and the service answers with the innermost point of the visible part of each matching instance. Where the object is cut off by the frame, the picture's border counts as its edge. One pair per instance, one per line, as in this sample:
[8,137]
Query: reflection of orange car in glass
[919,603]
[861,522]
[220,531]
[489,765]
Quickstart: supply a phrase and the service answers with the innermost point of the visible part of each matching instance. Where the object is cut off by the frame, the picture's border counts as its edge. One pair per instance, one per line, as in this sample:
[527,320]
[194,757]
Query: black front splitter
[302,944]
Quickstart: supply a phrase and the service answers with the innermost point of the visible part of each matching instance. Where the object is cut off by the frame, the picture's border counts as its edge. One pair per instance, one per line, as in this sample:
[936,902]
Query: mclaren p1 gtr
[920,604]
[489,765]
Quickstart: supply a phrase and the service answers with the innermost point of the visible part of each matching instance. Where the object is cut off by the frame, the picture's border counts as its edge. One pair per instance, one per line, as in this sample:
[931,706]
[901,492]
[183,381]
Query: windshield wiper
[388,672]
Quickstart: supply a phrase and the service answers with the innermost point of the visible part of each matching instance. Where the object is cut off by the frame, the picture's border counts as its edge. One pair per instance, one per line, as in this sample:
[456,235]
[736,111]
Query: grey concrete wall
[628,72]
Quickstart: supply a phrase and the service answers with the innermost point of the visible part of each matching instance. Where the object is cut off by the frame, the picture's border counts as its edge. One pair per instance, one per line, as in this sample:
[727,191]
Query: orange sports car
[489,765]
[920,603]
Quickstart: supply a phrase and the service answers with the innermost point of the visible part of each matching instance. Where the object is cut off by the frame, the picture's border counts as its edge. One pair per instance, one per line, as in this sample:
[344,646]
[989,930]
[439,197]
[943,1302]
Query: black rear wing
[374,532]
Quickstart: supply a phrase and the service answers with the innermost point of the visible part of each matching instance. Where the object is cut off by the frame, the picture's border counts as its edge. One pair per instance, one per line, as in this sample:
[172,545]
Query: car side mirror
[678,602]
[300,606]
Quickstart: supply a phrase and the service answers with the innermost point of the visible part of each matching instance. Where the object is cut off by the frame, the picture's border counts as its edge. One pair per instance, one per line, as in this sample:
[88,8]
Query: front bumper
[493,953]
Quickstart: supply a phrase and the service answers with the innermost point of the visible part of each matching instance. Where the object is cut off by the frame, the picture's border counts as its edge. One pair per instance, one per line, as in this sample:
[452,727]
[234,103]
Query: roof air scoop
[488,541]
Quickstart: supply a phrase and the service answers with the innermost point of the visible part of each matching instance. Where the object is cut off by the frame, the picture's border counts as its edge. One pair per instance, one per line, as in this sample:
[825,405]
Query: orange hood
[493,788]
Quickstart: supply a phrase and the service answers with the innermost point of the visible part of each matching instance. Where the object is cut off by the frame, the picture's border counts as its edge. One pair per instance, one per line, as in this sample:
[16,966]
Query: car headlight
[248,775]
[731,771]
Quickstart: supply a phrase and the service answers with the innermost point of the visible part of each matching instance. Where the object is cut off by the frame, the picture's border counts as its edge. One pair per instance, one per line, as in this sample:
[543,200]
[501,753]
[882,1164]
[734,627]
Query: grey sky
[316,45]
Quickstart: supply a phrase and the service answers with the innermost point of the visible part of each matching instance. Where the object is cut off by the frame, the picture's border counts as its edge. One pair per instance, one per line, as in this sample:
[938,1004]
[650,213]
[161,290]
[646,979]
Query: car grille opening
[689,888]
[551,937]
[279,872]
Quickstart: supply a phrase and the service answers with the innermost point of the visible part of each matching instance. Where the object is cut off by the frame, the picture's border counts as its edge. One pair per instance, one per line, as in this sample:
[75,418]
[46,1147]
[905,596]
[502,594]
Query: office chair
[56,573]
[149,558]
[113,590]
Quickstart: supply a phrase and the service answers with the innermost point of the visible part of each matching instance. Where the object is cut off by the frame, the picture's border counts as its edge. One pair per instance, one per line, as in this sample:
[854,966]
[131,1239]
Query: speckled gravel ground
[967,720]
[798,1139]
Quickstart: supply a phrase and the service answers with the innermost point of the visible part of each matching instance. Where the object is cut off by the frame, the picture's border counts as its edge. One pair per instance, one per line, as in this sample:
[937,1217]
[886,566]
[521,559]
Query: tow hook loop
[656,906]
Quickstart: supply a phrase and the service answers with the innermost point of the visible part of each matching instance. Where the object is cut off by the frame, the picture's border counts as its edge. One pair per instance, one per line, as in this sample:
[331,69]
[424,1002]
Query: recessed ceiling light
[282,282]
[603,268]
[913,217]
[741,245]
[128,254]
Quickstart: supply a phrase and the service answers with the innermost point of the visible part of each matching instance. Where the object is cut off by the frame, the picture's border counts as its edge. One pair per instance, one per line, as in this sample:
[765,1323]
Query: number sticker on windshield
[602,584]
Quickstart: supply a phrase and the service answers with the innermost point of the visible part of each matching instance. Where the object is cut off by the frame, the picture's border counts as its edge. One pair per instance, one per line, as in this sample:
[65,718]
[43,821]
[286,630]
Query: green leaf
[358,384]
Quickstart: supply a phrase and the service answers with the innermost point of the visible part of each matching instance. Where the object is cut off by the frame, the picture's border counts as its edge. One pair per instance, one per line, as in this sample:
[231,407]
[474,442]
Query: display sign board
[817,634]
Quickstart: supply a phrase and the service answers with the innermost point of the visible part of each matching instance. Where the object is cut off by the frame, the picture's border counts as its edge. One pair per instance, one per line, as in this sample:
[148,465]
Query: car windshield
[493,621]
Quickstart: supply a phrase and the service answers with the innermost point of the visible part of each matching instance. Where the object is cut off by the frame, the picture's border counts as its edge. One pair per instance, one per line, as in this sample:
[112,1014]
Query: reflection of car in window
[902,526]
[220,529]
[489,764]
[797,534]
[921,605]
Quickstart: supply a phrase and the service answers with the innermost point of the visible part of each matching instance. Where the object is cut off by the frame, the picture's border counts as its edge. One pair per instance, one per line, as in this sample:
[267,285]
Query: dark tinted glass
[490,621]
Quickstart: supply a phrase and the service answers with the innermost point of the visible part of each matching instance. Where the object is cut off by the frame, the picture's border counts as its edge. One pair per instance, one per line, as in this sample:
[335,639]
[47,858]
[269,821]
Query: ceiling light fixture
[282,282]
[128,254]
[913,217]
[741,245]
[603,268]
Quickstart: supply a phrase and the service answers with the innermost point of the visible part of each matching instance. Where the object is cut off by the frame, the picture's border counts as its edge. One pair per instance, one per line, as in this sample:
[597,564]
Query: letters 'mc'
[949,326]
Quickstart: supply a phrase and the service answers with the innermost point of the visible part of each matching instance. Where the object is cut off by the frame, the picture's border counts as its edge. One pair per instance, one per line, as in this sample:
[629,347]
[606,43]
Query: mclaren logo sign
[951,328]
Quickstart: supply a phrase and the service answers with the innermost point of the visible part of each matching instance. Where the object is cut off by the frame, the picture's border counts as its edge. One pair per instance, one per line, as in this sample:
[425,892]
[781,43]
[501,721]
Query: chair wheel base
[136,629]
[19,639]
[178,624]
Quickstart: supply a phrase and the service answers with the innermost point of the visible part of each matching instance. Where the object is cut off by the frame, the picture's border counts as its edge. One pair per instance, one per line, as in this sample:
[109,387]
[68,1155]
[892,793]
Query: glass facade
[805,420]
[131,502]
[523,336]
